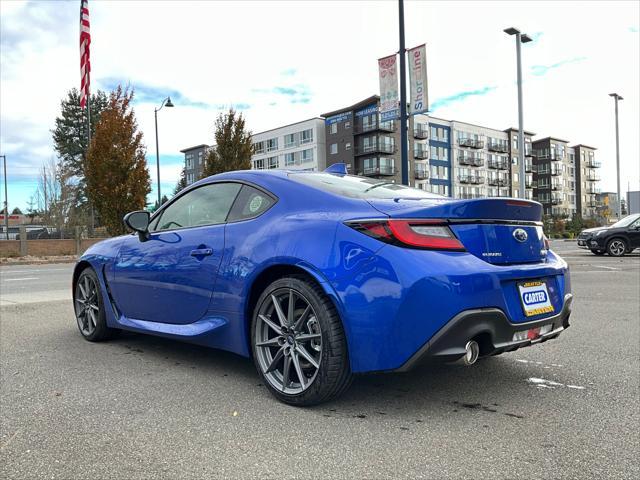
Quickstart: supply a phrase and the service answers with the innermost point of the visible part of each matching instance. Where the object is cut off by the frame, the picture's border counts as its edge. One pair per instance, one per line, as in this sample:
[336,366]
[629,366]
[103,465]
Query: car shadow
[488,385]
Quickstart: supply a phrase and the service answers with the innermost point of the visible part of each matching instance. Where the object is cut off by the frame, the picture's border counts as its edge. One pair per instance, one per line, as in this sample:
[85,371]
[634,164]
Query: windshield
[626,221]
[359,187]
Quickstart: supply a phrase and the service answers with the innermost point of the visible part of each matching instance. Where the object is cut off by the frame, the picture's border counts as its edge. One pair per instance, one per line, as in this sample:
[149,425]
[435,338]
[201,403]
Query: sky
[282,62]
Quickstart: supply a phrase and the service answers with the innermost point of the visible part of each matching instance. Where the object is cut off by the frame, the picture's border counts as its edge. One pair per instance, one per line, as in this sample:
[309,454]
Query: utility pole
[616,98]
[404,148]
[6,201]
[520,39]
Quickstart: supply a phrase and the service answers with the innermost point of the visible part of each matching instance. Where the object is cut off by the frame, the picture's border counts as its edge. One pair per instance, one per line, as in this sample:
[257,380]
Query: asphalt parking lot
[144,407]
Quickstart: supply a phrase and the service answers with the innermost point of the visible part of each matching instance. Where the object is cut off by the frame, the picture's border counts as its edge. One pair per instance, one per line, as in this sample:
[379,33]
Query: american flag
[85,42]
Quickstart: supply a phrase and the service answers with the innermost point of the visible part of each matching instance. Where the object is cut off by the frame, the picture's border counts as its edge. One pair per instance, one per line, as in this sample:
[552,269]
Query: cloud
[539,70]
[151,93]
[459,97]
[289,72]
[299,93]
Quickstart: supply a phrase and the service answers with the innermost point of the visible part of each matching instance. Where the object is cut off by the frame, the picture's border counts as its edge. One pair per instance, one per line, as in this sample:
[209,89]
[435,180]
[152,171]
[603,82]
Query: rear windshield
[359,187]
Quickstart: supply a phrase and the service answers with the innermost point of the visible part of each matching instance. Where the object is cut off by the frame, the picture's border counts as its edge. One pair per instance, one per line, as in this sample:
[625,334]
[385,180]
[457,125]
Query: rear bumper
[494,330]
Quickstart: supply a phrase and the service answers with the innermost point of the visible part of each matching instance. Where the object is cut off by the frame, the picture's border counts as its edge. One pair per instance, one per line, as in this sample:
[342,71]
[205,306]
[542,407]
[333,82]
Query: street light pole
[6,201]
[616,98]
[520,38]
[166,102]
[404,148]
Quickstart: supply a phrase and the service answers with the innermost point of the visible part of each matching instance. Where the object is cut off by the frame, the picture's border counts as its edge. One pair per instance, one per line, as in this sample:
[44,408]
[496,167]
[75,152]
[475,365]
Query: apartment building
[513,135]
[194,159]
[447,157]
[299,146]
[586,180]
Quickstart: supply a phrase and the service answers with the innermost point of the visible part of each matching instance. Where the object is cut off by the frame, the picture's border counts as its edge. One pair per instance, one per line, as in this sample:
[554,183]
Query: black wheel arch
[269,275]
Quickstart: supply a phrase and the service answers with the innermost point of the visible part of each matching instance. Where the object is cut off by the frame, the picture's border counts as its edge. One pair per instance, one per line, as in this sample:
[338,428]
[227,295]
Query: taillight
[425,234]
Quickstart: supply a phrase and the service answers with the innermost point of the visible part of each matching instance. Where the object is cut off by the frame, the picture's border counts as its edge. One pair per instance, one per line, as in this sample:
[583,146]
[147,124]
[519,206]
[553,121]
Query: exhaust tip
[472,352]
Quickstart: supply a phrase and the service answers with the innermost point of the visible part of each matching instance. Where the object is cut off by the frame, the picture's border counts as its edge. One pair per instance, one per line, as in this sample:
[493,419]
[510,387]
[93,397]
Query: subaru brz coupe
[320,276]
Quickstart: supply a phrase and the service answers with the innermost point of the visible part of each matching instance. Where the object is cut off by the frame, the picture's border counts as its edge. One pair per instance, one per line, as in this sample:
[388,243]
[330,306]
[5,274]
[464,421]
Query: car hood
[592,230]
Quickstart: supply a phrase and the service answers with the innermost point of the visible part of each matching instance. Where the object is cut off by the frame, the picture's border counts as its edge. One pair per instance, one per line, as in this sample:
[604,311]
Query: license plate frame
[534,297]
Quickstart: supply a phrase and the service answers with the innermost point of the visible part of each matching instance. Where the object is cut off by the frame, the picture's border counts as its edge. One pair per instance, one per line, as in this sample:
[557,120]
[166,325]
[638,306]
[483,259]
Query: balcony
[470,196]
[379,171]
[592,178]
[498,147]
[497,182]
[364,128]
[556,186]
[530,184]
[473,161]
[421,133]
[556,172]
[378,147]
[529,168]
[470,142]
[471,179]
[592,190]
[421,153]
[592,164]
[498,164]
[421,174]
[389,126]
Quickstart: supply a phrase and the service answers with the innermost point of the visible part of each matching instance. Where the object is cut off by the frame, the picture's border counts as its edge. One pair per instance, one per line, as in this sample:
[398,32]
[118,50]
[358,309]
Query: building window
[272,144]
[439,153]
[189,161]
[258,147]
[273,162]
[333,148]
[347,146]
[289,159]
[290,140]
[333,128]
[347,125]
[307,155]
[258,164]
[306,136]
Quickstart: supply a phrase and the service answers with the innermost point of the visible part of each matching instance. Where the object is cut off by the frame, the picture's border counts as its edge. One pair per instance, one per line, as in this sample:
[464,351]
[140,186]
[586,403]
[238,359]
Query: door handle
[201,252]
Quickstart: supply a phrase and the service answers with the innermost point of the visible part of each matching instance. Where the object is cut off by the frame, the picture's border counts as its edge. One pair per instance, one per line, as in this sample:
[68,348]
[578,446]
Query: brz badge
[520,235]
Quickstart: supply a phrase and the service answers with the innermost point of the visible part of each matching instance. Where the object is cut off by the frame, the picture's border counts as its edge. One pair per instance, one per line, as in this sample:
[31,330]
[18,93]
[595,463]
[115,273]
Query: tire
[89,308]
[617,247]
[598,252]
[311,332]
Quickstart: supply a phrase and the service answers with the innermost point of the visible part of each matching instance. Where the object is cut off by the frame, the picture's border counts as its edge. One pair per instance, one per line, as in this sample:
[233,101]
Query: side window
[206,205]
[251,203]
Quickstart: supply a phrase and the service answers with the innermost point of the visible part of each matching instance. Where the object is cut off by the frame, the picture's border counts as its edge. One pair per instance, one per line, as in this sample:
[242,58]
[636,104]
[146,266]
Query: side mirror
[138,221]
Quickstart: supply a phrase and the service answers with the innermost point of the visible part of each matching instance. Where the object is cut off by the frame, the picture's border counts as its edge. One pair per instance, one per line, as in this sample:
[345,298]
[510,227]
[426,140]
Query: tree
[182,182]
[70,140]
[32,209]
[16,211]
[233,145]
[116,168]
[55,195]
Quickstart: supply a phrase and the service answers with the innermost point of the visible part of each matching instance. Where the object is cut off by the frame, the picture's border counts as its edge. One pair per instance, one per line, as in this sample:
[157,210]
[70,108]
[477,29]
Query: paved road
[35,283]
[143,407]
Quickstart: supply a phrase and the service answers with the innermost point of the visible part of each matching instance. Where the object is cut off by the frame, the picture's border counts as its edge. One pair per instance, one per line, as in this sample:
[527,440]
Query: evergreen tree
[116,169]
[70,140]
[16,211]
[233,145]
[182,182]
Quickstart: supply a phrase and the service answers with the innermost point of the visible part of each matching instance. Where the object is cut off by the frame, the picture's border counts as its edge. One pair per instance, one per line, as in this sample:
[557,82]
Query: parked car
[319,276]
[618,239]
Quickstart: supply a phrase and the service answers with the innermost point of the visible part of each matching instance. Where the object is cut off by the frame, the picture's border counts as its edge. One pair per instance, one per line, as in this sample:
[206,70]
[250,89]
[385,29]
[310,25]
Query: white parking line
[19,279]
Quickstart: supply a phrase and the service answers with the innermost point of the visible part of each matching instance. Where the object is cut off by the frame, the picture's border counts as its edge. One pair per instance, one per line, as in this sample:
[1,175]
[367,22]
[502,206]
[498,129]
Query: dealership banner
[388,70]
[419,102]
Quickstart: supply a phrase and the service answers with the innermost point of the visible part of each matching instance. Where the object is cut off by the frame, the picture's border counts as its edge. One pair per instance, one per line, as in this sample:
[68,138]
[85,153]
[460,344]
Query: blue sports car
[320,276]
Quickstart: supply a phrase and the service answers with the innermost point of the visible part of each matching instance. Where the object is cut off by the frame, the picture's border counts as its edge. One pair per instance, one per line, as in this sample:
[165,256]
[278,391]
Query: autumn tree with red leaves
[116,169]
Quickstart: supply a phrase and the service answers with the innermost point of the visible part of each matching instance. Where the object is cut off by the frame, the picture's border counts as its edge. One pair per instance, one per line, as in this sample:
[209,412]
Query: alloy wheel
[288,341]
[617,248]
[86,303]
